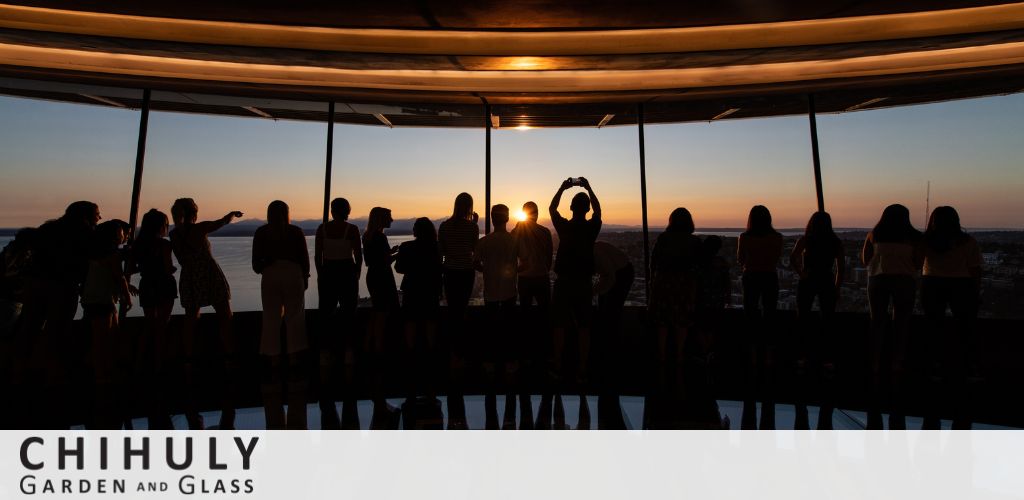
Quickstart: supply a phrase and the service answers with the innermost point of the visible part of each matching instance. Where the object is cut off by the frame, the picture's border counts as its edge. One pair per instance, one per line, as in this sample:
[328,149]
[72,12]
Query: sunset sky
[971,151]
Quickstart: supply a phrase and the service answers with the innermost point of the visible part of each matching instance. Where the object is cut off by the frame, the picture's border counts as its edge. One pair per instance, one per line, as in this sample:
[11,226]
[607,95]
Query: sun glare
[521,215]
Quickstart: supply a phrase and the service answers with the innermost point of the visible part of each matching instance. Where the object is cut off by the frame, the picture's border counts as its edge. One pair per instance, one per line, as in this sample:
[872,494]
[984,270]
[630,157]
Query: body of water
[234,254]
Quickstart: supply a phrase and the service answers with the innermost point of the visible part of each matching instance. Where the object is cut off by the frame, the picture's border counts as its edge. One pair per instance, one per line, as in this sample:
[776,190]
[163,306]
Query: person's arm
[114,264]
[318,247]
[211,226]
[553,208]
[165,257]
[796,257]
[302,252]
[478,262]
[357,248]
[549,250]
[868,251]
[840,265]
[402,259]
[258,251]
[741,251]
[594,204]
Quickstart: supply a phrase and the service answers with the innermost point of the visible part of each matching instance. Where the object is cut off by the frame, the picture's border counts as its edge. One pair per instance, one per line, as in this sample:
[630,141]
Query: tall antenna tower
[927,203]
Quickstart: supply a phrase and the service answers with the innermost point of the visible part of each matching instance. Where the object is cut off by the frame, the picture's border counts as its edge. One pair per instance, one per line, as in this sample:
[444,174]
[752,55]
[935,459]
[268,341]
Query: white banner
[517,465]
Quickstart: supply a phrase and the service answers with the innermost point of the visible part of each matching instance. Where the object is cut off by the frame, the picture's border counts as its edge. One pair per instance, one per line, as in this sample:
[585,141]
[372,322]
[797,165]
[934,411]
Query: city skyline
[967,149]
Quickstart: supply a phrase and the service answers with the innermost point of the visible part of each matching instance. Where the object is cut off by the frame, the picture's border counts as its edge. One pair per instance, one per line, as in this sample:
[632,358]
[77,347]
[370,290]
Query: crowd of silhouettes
[534,331]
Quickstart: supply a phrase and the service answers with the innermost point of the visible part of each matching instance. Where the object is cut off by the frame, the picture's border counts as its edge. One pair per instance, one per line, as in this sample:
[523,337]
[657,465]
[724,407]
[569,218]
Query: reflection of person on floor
[496,256]
[280,256]
[615,280]
[338,256]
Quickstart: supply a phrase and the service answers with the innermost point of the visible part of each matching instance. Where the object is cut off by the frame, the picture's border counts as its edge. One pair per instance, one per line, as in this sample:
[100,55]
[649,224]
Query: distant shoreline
[247,230]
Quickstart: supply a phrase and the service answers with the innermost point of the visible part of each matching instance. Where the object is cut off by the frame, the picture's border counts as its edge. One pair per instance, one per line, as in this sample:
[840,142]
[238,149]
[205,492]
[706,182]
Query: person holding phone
[574,266]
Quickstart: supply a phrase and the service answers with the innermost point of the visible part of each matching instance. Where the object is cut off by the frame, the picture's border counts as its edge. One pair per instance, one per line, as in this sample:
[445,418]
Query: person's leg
[964,305]
[903,294]
[326,344]
[293,297]
[827,300]
[231,368]
[750,337]
[188,334]
[879,293]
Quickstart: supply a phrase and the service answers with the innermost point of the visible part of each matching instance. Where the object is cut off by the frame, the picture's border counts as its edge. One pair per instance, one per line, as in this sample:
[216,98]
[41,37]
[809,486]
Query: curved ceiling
[536,67]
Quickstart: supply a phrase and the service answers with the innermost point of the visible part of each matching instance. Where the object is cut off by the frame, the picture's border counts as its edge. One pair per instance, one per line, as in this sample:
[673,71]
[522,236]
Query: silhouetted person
[574,265]
[819,259]
[104,287]
[674,260]
[536,252]
[280,256]
[203,284]
[338,256]
[758,251]
[419,261]
[457,238]
[16,260]
[496,256]
[951,280]
[893,255]
[151,259]
[60,252]
[380,282]
[536,255]
[615,280]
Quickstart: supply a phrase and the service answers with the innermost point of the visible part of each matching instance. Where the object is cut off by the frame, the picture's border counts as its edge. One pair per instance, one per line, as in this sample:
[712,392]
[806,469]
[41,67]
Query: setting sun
[520,215]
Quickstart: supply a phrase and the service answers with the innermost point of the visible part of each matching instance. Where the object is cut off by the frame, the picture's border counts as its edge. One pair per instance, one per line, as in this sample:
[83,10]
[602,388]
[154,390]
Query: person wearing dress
[380,282]
[203,284]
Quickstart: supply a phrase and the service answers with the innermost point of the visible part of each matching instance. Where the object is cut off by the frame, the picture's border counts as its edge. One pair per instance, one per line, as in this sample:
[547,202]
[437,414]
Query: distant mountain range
[248,227]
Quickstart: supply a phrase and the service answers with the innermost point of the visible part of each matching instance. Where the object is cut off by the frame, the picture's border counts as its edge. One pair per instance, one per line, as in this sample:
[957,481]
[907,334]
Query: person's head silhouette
[499,214]
[340,209]
[379,219]
[680,220]
[85,212]
[423,230]
[463,208]
[580,205]
[184,211]
[530,209]
[277,213]
[759,222]
[944,229]
[154,224]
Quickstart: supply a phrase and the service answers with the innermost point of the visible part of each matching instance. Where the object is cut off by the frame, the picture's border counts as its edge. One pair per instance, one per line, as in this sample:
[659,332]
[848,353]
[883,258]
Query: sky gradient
[970,150]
